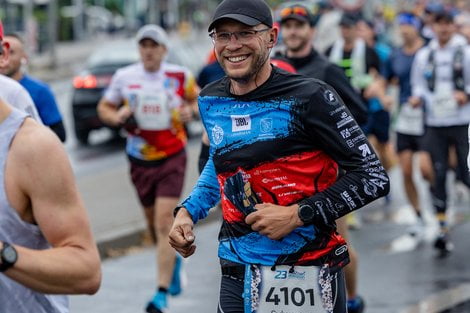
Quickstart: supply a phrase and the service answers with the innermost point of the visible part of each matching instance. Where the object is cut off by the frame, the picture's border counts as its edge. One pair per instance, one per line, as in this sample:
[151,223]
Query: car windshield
[122,53]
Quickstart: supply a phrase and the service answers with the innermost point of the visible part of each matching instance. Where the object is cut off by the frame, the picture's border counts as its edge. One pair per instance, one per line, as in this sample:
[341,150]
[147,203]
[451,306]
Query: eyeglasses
[243,36]
[293,10]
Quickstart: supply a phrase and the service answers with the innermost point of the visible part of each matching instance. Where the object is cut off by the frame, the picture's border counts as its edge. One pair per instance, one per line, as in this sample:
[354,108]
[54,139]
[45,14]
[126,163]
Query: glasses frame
[238,36]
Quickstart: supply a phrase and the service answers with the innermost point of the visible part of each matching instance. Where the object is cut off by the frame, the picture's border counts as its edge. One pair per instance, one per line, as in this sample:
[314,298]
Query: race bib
[410,120]
[299,289]
[152,111]
[444,103]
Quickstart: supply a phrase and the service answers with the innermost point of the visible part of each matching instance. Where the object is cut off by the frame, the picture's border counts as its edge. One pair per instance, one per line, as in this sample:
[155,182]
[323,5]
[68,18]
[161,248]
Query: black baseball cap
[297,12]
[443,16]
[349,19]
[248,12]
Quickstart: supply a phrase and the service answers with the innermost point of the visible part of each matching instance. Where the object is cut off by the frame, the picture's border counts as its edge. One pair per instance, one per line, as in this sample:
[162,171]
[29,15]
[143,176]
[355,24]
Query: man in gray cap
[156,98]
[276,142]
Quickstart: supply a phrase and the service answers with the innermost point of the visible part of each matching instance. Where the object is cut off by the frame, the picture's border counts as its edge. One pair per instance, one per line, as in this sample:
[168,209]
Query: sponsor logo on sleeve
[365,150]
[330,97]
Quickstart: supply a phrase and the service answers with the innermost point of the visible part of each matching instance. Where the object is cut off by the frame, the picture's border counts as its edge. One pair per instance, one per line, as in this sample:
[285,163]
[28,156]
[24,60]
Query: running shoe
[443,244]
[176,285]
[417,230]
[356,305]
[158,303]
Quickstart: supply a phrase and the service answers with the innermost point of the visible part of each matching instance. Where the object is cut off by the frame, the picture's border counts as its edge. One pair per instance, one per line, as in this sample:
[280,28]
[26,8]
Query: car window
[114,54]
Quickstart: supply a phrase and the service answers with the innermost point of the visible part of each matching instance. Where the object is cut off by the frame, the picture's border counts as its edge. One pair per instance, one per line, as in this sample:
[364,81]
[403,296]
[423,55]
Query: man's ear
[5,52]
[273,37]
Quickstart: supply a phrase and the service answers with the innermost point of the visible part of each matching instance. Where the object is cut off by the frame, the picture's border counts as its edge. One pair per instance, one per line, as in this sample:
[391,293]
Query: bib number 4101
[285,296]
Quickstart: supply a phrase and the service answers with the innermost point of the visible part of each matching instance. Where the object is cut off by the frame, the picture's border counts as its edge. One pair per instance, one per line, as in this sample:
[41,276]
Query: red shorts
[162,180]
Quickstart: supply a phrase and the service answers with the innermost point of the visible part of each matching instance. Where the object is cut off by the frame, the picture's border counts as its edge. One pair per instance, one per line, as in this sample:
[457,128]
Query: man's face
[4,53]
[364,31]
[443,30]
[151,54]
[348,32]
[408,32]
[13,65]
[242,60]
[296,34]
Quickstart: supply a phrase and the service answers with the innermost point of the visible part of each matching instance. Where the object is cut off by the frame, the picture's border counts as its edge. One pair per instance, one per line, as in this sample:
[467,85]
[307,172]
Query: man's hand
[181,234]
[461,97]
[122,115]
[415,101]
[186,113]
[274,221]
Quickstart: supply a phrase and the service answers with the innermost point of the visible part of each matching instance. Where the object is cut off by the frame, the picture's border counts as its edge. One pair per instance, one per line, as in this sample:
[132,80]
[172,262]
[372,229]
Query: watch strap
[176,210]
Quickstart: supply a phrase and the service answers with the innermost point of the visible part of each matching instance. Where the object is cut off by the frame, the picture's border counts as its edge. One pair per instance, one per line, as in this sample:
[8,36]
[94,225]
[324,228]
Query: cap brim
[296,17]
[237,17]
[157,41]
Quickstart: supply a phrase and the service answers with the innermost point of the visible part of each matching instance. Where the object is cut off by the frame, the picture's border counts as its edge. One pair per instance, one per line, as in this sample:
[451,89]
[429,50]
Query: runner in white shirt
[440,81]
[11,91]
[151,100]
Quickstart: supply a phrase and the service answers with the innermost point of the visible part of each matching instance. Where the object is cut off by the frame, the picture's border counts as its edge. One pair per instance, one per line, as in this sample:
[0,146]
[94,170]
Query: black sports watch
[306,213]
[176,210]
[8,255]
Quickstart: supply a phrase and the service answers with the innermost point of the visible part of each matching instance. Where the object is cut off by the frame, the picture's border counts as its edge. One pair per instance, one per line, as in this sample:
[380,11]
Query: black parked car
[92,81]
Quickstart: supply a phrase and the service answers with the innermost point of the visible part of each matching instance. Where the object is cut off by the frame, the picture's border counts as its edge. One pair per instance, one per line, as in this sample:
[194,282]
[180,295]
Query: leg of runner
[438,146]
[149,217]
[406,164]
[166,255]
[462,147]
[170,176]
[355,302]
[425,166]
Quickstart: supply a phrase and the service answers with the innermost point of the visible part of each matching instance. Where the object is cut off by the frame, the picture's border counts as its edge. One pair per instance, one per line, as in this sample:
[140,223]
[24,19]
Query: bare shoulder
[35,143]
[34,137]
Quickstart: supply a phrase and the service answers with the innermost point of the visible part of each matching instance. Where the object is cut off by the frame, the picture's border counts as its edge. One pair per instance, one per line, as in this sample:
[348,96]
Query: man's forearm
[64,270]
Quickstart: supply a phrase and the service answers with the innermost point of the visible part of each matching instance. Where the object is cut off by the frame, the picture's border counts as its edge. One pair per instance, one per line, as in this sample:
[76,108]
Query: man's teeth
[237,59]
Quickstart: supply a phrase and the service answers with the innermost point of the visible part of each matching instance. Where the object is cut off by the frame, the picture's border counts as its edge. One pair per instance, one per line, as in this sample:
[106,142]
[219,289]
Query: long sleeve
[205,193]
[330,123]
[335,77]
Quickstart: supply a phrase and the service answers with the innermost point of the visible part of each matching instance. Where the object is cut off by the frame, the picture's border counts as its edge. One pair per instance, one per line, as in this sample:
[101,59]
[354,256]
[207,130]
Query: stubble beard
[251,73]
[298,47]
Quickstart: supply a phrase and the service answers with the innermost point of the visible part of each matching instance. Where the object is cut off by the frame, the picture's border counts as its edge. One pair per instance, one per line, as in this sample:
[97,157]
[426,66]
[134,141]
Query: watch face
[9,254]
[306,213]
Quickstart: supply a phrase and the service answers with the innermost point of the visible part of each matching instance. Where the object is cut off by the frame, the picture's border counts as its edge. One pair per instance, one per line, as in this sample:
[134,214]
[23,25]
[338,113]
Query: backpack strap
[430,71]
[457,69]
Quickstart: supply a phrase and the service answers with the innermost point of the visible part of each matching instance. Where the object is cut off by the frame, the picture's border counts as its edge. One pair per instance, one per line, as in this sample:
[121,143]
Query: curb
[120,245]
